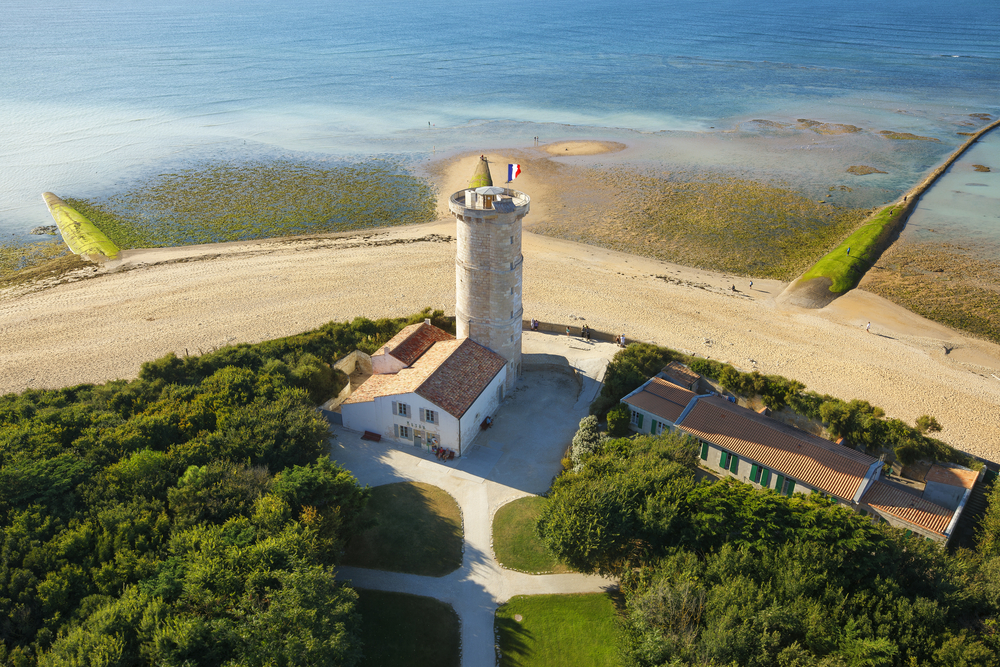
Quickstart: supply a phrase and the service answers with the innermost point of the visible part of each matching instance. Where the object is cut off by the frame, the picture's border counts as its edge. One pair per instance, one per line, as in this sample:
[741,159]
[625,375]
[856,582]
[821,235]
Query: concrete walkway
[519,456]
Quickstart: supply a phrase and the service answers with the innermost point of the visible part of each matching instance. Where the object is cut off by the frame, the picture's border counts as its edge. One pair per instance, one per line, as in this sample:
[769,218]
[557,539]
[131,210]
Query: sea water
[97,93]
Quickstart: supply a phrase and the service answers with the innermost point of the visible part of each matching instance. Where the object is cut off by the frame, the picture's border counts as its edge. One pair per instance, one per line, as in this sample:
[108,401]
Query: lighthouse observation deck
[479,201]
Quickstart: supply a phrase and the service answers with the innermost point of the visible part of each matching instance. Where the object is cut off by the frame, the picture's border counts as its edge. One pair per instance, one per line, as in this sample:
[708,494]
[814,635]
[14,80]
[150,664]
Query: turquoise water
[99,93]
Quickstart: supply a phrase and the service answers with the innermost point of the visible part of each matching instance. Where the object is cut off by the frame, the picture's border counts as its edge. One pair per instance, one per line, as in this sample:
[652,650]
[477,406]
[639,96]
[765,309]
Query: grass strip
[408,631]
[516,542]
[847,264]
[558,631]
[415,528]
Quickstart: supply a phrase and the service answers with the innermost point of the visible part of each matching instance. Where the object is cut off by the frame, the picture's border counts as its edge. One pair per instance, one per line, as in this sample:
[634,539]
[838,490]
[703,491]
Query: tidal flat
[709,221]
[224,201]
[942,282]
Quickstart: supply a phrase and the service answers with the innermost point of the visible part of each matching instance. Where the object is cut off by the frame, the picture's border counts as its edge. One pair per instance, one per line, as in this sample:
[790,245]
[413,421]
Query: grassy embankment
[843,269]
[516,542]
[415,528]
[557,631]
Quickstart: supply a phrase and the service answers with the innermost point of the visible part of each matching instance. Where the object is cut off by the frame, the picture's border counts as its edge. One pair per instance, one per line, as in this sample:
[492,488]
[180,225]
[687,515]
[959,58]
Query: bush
[618,421]
[587,440]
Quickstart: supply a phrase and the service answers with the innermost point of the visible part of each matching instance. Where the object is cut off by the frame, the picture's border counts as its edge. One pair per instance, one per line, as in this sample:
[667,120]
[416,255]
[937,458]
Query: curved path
[519,456]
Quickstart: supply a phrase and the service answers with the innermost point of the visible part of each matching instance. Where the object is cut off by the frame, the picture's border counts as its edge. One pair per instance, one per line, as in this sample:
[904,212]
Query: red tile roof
[461,377]
[451,374]
[680,374]
[952,476]
[414,340]
[816,462]
[907,507]
[661,398]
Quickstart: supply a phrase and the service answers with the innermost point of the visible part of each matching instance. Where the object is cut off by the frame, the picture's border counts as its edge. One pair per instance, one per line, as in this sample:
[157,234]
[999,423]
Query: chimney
[427,321]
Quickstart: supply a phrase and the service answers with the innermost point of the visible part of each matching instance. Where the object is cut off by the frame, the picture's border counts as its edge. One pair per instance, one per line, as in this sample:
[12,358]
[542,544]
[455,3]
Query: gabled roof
[412,341]
[451,374]
[461,377]
[680,374]
[662,399]
[816,462]
[907,507]
[952,476]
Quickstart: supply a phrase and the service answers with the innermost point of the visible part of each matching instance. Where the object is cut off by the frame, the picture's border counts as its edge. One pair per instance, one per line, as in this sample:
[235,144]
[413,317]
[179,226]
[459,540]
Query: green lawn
[407,630]
[558,630]
[417,528]
[515,541]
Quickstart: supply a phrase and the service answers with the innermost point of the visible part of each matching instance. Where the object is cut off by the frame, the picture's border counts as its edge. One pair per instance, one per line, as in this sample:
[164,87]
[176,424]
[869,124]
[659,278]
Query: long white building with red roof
[756,449]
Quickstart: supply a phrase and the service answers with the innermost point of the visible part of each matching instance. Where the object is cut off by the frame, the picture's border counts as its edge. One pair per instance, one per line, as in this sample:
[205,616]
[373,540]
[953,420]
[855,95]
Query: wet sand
[151,302]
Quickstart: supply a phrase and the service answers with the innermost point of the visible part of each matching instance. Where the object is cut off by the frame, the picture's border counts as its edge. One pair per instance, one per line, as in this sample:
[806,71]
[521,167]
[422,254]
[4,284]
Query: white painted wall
[384,363]
[485,404]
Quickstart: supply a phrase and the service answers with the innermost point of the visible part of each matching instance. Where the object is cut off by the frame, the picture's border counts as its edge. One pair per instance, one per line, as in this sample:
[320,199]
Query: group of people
[585,332]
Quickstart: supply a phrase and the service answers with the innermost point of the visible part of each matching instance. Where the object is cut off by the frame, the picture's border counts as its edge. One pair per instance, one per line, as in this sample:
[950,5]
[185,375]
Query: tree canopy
[188,517]
[720,573]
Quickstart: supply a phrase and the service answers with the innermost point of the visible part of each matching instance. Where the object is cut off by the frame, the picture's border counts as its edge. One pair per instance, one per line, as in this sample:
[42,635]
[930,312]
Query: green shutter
[780,483]
[734,464]
[638,421]
[652,427]
[724,460]
[704,451]
[765,477]
[790,488]
[754,472]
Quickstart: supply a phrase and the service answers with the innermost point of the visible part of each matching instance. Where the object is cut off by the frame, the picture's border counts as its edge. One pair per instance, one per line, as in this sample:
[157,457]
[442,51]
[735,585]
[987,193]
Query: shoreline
[101,323]
[192,300]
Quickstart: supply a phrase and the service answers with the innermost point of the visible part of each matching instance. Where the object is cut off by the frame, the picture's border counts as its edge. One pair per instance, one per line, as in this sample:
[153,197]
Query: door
[418,438]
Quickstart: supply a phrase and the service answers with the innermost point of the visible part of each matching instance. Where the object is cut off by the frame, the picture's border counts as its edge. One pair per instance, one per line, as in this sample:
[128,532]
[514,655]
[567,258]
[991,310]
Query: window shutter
[638,422]
[765,477]
[754,472]
[734,464]
[652,427]
[395,408]
[724,460]
[704,451]
[395,428]
[790,487]
[421,414]
[779,483]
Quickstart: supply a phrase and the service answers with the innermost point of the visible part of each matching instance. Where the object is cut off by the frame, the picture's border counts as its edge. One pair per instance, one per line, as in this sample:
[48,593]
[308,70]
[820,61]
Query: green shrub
[618,421]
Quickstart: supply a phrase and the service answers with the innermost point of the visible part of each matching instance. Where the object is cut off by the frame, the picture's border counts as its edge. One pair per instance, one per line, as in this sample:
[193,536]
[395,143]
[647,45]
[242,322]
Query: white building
[428,389]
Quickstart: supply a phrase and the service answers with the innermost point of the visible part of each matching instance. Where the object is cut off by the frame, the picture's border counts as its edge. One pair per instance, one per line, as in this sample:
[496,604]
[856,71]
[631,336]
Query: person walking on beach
[751,284]
[869,327]
[567,331]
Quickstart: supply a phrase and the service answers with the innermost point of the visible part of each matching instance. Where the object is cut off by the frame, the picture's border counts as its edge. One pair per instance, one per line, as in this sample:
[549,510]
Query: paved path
[519,457]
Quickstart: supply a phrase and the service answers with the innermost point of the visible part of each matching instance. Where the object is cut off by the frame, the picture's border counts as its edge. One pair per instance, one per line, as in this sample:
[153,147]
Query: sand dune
[151,302]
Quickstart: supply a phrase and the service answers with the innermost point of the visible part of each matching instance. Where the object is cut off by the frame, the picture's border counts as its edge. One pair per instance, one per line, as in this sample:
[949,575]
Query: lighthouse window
[512,240]
[512,266]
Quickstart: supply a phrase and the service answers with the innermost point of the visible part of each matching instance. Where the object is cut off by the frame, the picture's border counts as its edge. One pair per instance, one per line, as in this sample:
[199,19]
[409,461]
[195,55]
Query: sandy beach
[104,322]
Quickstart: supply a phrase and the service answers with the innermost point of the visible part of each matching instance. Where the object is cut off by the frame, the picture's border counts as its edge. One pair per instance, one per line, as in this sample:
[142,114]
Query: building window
[512,266]
[401,409]
[636,419]
[724,460]
[704,451]
[429,416]
[512,240]
[657,427]
[734,464]
[760,475]
[403,432]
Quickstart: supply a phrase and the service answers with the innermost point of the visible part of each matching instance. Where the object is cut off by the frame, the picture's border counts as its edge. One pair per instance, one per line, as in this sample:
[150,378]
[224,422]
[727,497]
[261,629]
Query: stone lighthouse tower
[488,266]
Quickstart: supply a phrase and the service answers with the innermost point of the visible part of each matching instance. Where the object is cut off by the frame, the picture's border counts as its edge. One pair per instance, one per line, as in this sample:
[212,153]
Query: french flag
[513,171]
